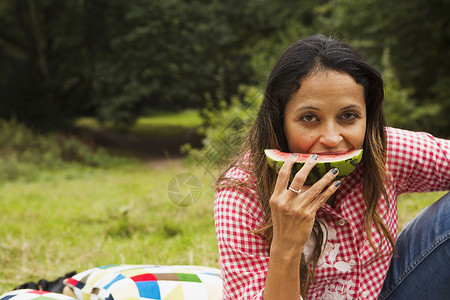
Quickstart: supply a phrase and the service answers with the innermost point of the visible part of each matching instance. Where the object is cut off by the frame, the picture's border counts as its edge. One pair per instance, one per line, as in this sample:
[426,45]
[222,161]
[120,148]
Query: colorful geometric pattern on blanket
[142,282]
[28,294]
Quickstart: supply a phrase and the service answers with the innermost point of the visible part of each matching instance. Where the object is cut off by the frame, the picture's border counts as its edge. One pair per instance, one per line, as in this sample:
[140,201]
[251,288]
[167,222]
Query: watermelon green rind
[346,163]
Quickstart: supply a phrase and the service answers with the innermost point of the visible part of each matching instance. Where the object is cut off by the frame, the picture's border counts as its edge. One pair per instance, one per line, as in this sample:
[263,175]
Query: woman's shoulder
[402,140]
[396,135]
[236,190]
[241,169]
[417,161]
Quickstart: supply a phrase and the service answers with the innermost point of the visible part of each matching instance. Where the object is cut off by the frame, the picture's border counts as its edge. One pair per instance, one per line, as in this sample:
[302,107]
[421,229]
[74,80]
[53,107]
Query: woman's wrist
[282,256]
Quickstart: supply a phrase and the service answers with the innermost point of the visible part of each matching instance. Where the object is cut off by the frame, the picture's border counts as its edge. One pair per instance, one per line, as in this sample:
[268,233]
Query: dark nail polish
[315,156]
[337,183]
[334,171]
[294,154]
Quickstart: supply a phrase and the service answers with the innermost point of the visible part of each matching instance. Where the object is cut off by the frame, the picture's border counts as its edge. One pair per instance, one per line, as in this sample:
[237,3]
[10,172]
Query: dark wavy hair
[304,57]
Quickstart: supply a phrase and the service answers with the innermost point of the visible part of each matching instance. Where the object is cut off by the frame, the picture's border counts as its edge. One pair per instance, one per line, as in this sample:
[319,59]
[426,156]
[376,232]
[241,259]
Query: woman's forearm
[282,280]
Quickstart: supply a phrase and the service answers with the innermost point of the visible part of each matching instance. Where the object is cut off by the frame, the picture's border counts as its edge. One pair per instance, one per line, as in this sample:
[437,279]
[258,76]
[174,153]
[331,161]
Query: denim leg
[422,270]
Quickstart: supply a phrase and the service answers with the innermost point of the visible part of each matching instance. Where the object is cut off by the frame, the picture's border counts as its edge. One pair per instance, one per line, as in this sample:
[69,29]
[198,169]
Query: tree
[171,54]
[114,59]
[46,51]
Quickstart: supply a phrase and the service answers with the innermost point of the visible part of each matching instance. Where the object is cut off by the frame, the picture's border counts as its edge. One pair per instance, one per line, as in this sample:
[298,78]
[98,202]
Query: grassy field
[98,217]
[81,217]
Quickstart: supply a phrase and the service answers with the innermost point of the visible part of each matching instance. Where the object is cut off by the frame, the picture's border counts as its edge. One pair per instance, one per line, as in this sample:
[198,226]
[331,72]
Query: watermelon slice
[345,163]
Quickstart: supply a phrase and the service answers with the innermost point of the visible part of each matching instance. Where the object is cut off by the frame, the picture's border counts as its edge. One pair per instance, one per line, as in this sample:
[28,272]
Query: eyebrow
[351,106]
[318,109]
[307,107]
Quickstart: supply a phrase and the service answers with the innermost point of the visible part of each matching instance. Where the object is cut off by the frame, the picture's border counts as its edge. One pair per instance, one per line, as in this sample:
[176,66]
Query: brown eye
[349,116]
[309,118]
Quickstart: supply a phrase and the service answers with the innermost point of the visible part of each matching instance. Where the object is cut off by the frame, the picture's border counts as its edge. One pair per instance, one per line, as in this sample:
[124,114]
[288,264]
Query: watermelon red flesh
[345,163]
[301,157]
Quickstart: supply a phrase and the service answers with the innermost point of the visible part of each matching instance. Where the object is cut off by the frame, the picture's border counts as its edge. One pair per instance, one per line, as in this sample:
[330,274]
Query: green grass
[410,205]
[186,118]
[121,215]
[156,125]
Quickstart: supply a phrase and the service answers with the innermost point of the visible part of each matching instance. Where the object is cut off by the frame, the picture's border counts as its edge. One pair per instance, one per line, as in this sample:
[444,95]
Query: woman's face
[327,115]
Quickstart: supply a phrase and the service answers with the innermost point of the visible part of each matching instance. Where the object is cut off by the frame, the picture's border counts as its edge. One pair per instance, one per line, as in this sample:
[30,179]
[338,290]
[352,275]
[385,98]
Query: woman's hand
[293,212]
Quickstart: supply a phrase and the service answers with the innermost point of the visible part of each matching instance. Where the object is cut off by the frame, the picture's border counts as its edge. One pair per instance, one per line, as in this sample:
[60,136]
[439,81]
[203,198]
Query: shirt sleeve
[417,161]
[243,255]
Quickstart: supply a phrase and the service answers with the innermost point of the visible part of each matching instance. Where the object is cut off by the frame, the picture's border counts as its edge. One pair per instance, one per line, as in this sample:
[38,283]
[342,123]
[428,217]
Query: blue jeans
[422,270]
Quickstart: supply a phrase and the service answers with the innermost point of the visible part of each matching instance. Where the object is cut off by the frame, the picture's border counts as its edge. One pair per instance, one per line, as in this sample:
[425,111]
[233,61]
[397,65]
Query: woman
[279,239]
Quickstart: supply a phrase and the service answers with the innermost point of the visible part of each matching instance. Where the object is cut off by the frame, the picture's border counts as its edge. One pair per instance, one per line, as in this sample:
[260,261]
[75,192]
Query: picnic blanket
[137,282]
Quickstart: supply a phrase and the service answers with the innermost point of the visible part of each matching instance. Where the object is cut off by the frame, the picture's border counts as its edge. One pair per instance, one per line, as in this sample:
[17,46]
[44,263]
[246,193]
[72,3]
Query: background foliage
[26,155]
[224,130]
[116,60]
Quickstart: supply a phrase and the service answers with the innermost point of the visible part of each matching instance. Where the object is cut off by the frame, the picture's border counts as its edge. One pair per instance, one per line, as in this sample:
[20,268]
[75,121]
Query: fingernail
[337,183]
[294,154]
[334,171]
[315,156]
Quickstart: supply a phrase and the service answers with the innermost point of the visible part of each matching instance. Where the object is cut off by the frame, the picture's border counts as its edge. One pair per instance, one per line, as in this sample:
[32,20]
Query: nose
[330,136]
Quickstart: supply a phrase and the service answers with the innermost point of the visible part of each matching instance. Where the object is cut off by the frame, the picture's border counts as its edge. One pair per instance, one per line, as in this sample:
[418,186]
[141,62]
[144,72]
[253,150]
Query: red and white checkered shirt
[416,162]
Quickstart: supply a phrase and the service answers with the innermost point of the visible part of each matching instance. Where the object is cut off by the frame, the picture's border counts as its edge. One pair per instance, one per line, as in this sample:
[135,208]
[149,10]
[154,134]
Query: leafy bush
[23,153]
[224,130]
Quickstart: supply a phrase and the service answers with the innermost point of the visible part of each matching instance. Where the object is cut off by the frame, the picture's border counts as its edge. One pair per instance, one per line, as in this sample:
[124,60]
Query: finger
[318,187]
[284,174]
[323,197]
[302,174]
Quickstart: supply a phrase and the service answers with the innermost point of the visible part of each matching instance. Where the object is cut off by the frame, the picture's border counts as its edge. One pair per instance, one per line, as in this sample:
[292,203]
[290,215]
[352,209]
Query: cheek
[359,137]
[301,143]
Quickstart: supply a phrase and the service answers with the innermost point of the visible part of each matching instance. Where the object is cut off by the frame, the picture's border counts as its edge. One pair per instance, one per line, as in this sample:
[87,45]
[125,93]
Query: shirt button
[365,294]
[352,263]
[341,222]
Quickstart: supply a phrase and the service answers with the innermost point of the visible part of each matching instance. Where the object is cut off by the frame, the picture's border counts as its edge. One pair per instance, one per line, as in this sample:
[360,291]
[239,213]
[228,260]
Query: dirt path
[155,153]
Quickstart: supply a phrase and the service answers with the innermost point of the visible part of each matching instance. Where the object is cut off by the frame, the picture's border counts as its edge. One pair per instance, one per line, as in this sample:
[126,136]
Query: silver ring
[295,191]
